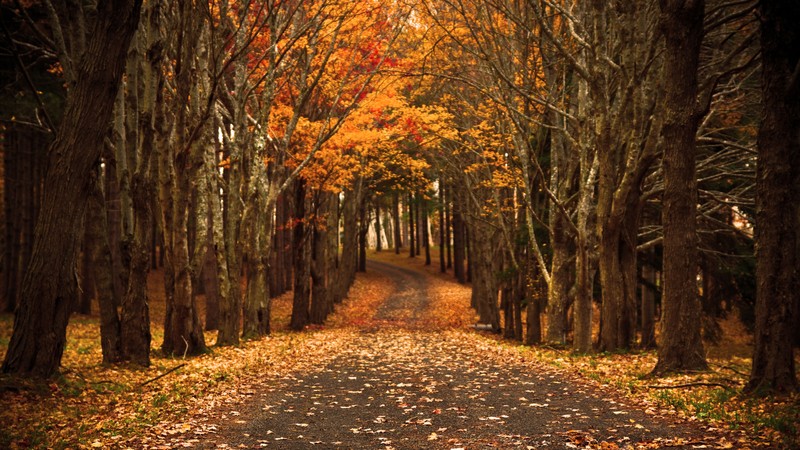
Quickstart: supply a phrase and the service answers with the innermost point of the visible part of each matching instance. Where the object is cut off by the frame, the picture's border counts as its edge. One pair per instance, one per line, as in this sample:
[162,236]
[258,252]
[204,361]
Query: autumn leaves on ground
[395,367]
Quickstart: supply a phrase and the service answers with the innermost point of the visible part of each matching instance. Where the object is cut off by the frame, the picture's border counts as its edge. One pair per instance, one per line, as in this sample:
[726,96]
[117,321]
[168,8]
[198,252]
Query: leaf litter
[93,406]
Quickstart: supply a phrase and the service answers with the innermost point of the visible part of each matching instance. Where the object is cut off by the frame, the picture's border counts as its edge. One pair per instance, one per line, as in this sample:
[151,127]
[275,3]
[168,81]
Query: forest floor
[397,366]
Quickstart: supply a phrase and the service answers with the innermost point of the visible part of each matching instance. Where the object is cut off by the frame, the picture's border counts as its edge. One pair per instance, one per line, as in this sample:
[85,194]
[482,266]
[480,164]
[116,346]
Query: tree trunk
[257,303]
[378,230]
[396,218]
[287,263]
[412,235]
[363,229]
[321,301]
[425,235]
[533,332]
[211,285]
[332,251]
[135,315]
[777,211]
[48,288]
[349,261]
[86,285]
[681,346]
[100,260]
[448,226]
[484,286]
[561,278]
[227,251]
[276,268]
[405,224]
[442,262]
[301,244]
[648,308]
[418,224]
[11,192]
[459,245]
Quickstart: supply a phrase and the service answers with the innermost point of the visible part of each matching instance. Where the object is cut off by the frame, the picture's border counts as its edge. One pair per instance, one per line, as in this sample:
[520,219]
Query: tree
[48,289]
[777,211]
[681,347]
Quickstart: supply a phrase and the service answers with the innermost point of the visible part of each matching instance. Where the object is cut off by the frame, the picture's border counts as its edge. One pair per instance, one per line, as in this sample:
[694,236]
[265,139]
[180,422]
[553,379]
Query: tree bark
[349,260]
[648,307]
[681,346]
[378,230]
[484,286]
[448,226]
[561,278]
[301,251]
[412,235]
[397,227]
[459,245]
[777,210]
[442,262]
[425,235]
[48,288]
[100,260]
[363,229]
[321,301]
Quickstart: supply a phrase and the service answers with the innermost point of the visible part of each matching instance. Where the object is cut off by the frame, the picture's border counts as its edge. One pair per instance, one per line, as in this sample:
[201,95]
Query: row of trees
[572,150]
[600,142]
[234,139]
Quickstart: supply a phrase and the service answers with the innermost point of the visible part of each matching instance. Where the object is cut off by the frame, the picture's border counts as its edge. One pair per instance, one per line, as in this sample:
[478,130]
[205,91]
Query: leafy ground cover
[712,398]
[94,406]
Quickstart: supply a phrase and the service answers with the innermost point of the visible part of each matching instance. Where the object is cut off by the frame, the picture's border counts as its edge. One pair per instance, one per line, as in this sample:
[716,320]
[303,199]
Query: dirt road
[400,386]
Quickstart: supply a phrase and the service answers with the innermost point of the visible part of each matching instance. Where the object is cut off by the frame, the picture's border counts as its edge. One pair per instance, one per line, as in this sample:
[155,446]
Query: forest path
[397,385]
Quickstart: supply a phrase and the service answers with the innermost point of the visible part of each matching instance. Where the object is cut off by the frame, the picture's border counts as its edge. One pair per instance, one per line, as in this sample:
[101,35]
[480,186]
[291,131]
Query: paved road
[402,387]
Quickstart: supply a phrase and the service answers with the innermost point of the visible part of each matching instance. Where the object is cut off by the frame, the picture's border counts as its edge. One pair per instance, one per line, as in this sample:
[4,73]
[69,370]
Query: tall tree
[778,211]
[48,289]
[680,347]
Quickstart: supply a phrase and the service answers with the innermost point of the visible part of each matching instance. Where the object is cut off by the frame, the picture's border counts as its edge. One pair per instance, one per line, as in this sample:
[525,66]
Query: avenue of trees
[578,162]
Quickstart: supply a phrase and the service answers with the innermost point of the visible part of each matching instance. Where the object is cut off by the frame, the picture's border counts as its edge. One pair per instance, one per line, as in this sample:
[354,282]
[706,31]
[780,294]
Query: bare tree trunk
[448,226]
[412,235]
[418,222]
[321,301]
[100,260]
[227,249]
[442,262]
[459,245]
[349,261]
[11,192]
[407,220]
[397,227]
[484,286]
[561,279]
[301,249]
[777,212]
[648,308]
[378,230]
[86,285]
[425,235]
[211,285]
[681,346]
[363,229]
[388,228]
